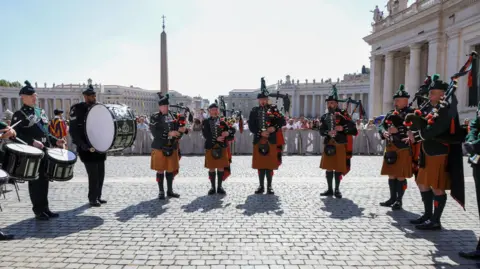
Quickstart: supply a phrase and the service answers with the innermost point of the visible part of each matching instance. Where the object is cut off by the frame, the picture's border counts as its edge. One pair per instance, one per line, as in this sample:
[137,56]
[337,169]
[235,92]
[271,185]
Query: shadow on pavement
[342,208]
[258,203]
[205,204]
[448,242]
[152,209]
[69,222]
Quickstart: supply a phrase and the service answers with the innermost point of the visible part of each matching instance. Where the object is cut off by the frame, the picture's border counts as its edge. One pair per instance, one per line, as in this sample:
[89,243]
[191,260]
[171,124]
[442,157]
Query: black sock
[269,174]
[439,202]
[160,177]
[169,177]
[427,198]
[329,175]
[338,177]
[261,177]
[401,186]
[220,178]
[211,176]
[392,184]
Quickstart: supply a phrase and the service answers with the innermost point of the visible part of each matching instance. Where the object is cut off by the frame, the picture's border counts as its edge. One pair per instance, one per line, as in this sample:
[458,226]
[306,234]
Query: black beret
[438,84]
[89,91]
[57,112]
[213,105]
[27,89]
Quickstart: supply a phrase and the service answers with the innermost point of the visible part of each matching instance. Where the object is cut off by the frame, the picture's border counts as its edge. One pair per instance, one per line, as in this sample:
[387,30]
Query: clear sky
[214,46]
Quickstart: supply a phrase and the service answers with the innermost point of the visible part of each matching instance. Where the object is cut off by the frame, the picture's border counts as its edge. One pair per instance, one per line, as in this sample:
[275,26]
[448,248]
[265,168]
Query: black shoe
[420,220]
[429,225]
[50,214]
[5,237]
[397,205]
[473,255]
[327,193]
[95,204]
[260,190]
[211,191]
[388,203]
[270,190]
[338,194]
[172,194]
[42,216]
[102,201]
[220,190]
[161,195]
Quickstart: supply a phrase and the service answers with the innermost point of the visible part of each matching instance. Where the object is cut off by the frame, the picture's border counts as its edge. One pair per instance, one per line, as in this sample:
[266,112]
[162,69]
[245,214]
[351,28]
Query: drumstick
[16,124]
[21,141]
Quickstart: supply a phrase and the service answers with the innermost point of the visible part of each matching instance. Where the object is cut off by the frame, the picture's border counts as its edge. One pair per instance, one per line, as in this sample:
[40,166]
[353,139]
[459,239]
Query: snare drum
[3,177]
[110,127]
[60,163]
[22,161]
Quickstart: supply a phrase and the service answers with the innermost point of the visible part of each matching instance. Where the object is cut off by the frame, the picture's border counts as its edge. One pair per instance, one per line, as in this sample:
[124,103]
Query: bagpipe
[179,120]
[234,115]
[417,121]
[358,105]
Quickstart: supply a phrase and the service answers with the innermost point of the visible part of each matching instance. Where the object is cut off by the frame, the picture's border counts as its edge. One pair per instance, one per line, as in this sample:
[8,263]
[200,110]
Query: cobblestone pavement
[294,228]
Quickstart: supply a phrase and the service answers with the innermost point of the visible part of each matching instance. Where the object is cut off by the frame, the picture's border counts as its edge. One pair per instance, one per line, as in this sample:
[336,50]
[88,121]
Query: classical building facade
[307,98]
[427,37]
[141,101]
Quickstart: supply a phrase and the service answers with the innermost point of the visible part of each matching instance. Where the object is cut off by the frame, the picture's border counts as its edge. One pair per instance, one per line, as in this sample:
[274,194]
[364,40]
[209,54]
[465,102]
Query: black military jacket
[431,136]
[211,132]
[258,119]
[402,131]
[160,126]
[78,116]
[33,126]
[349,128]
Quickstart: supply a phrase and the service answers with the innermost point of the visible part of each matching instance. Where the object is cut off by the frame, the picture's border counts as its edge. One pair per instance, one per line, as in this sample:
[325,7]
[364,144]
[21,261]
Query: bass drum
[110,127]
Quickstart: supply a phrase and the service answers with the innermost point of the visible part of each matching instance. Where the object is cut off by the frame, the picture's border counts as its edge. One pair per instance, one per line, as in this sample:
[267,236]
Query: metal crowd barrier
[297,142]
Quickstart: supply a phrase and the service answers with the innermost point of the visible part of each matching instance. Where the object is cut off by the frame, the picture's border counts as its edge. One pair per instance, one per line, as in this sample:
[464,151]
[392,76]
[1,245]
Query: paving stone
[295,228]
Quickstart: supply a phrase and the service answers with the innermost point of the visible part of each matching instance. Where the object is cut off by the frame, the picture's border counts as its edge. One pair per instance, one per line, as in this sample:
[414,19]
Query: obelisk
[163,60]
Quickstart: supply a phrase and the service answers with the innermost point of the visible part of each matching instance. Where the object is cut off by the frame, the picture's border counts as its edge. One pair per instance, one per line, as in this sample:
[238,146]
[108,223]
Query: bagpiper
[398,156]
[165,157]
[217,134]
[472,147]
[335,126]
[440,161]
[265,123]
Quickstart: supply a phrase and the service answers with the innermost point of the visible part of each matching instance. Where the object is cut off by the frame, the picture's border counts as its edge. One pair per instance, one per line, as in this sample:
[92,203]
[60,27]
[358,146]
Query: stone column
[435,57]
[46,107]
[305,105]
[10,105]
[297,105]
[375,94]
[322,104]
[453,64]
[414,75]
[314,105]
[407,71]
[19,103]
[388,87]
[1,107]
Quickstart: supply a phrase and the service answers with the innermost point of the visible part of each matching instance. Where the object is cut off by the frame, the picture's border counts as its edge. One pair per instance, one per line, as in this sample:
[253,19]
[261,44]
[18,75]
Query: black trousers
[476,177]
[38,190]
[96,176]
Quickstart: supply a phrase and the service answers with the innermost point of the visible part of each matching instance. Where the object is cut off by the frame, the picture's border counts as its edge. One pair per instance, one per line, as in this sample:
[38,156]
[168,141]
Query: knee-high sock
[169,177]
[338,176]
[211,176]
[269,174]
[439,202]
[392,184]
[220,178]
[427,198]
[160,177]
[401,186]
[329,175]
[261,177]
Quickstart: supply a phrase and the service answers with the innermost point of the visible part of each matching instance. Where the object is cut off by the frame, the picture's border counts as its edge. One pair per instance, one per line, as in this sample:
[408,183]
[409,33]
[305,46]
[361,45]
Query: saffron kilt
[402,168]
[337,162]
[160,162]
[212,163]
[269,161]
[434,174]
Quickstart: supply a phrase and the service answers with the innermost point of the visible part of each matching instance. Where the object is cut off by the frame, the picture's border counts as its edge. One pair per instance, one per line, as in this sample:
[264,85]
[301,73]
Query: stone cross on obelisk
[163,60]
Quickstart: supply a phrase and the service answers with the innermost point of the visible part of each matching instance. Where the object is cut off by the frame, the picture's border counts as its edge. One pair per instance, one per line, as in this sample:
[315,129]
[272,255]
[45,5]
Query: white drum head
[3,174]
[100,128]
[24,148]
[61,154]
